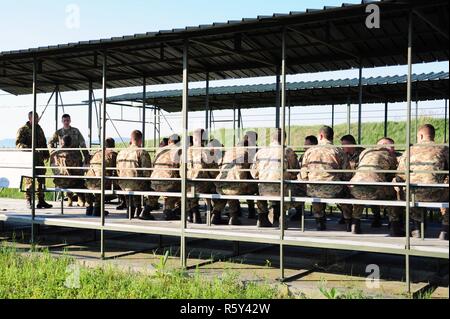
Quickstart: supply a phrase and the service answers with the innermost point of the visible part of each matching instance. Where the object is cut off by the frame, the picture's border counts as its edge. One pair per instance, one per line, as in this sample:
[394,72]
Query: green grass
[41,276]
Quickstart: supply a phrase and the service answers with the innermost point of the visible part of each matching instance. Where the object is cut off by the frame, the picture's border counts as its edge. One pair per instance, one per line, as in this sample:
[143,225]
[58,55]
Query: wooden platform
[373,240]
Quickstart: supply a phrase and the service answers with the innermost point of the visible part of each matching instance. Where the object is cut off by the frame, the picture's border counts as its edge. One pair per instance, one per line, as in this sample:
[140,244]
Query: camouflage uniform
[76,137]
[427,158]
[61,162]
[128,160]
[96,171]
[167,164]
[353,159]
[370,160]
[235,165]
[266,166]
[319,158]
[23,140]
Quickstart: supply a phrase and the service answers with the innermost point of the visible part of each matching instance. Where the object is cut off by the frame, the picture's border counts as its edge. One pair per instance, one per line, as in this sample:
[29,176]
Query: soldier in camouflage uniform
[235,165]
[68,163]
[380,158]
[93,200]
[75,135]
[24,140]
[199,159]
[129,162]
[167,165]
[319,158]
[266,166]
[426,156]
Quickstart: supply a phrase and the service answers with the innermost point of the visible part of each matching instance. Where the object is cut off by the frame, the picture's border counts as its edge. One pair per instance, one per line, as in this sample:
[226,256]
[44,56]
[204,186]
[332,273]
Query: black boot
[348,224]
[444,233]
[216,218]
[146,214]
[89,210]
[321,223]
[234,219]
[190,216]
[29,203]
[251,212]
[170,214]
[194,216]
[42,204]
[297,215]
[396,229]
[96,212]
[263,221]
[376,223]
[356,226]
[122,206]
[415,229]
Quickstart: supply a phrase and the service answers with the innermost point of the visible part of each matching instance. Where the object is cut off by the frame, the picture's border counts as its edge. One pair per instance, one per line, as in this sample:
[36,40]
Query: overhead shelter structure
[332,38]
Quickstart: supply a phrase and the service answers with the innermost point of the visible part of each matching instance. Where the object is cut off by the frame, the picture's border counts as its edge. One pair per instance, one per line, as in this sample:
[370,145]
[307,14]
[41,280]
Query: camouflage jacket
[74,133]
[167,163]
[426,157]
[95,169]
[199,159]
[319,158]
[62,161]
[24,137]
[235,165]
[375,159]
[353,159]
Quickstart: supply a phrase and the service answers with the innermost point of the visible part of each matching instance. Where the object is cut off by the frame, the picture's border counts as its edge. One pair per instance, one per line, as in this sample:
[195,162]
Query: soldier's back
[429,157]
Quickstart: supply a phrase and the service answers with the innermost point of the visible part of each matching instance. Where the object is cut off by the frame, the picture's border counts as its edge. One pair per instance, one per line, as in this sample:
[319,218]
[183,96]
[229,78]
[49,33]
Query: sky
[47,22]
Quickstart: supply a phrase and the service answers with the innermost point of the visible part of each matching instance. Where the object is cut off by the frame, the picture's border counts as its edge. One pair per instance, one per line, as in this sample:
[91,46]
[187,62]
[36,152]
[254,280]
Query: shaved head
[426,132]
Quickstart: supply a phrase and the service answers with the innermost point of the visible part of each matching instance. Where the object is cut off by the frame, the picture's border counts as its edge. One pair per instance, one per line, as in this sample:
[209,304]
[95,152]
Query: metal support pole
[239,123]
[234,123]
[445,120]
[283,147]
[385,119]
[416,119]
[360,104]
[289,125]
[56,107]
[408,155]
[159,123]
[103,146]
[207,105]
[144,96]
[155,140]
[184,110]
[90,114]
[332,116]
[277,96]
[33,150]
[349,110]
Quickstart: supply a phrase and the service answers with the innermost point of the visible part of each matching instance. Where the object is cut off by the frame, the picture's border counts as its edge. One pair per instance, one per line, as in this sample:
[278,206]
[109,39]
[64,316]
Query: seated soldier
[166,165]
[93,200]
[129,164]
[380,158]
[68,163]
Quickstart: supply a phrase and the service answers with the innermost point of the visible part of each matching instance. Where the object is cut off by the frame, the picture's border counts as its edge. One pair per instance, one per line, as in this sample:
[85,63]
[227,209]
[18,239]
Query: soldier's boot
[81,200]
[239,212]
[122,205]
[297,215]
[234,219]
[444,233]
[251,212]
[172,214]
[396,229]
[69,200]
[89,210]
[356,226]
[146,213]
[415,229]
[137,212]
[196,217]
[263,221]
[348,225]
[42,204]
[216,217]
[321,223]
[376,222]
[97,212]
[274,214]
[29,204]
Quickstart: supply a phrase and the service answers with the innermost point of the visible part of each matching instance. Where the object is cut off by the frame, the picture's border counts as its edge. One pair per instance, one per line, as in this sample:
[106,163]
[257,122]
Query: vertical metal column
[184,110]
[332,116]
[360,104]
[207,105]
[277,97]
[159,123]
[90,114]
[239,123]
[33,150]
[283,147]
[144,97]
[56,107]
[155,140]
[103,146]
[416,119]
[445,120]
[349,110]
[385,119]
[234,123]
[289,124]
[408,155]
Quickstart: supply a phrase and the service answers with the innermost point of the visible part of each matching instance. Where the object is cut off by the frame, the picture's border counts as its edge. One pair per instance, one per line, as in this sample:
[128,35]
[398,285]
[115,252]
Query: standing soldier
[129,164]
[316,160]
[68,163]
[199,164]
[24,140]
[75,135]
[267,166]
[426,156]
[235,165]
[167,165]
[93,200]
[380,158]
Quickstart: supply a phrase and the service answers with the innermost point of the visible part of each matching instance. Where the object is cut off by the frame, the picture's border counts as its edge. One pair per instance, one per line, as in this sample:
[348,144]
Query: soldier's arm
[53,142]
[21,138]
[146,162]
[345,164]
[86,155]
[304,167]
[254,168]
[42,143]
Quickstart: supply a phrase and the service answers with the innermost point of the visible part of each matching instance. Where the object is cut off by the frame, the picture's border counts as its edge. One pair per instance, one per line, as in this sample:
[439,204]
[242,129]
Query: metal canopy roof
[332,38]
[429,86]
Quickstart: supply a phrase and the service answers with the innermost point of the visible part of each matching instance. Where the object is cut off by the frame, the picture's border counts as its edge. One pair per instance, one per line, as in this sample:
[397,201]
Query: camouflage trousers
[71,183]
[373,193]
[40,182]
[234,189]
[274,206]
[328,191]
[169,202]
